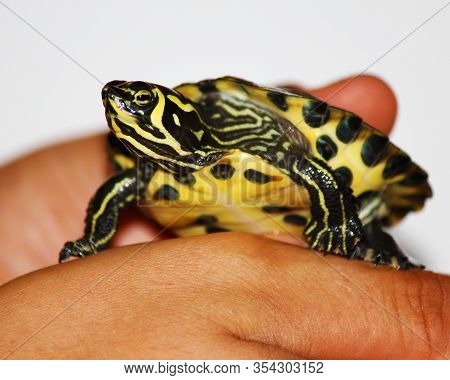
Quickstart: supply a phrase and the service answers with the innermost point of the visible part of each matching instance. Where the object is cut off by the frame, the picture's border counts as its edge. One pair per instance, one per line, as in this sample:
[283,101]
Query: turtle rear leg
[103,212]
[380,248]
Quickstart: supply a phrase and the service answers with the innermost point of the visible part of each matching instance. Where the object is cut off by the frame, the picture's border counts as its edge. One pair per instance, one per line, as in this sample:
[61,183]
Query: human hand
[216,296]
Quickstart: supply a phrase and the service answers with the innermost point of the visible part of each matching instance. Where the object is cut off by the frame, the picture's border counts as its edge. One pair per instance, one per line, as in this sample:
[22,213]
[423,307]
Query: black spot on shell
[222,171]
[295,219]
[275,209]
[256,176]
[166,192]
[279,99]
[185,179]
[214,229]
[415,178]
[373,149]
[348,128]
[206,219]
[395,165]
[316,113]
[345,175]
[326,147]
[206,86]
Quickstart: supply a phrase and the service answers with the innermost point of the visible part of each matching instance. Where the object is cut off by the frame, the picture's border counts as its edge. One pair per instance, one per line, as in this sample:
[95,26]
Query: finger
[330,307]
[228,285]
[45,196]
[366,95]
[163,318]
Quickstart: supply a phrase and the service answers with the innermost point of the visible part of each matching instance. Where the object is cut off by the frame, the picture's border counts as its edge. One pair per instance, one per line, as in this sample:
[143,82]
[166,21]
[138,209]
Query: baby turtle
[229,155]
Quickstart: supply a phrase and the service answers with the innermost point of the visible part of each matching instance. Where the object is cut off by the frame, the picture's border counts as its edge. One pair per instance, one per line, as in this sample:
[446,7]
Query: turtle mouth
[115,99]
[117,106]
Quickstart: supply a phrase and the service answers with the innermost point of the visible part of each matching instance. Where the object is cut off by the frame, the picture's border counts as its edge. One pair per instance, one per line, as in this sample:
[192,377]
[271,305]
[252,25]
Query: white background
[45,97]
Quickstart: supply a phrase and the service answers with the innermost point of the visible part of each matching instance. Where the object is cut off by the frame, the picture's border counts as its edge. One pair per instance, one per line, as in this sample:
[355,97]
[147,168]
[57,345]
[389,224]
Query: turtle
[229,155]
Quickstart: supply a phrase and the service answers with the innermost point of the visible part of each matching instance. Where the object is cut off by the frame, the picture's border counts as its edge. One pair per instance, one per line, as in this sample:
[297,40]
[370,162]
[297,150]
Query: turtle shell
[386,182]
[243,192]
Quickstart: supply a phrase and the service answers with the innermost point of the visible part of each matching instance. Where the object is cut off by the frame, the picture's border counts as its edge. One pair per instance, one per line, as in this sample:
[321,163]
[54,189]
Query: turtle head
[152,121]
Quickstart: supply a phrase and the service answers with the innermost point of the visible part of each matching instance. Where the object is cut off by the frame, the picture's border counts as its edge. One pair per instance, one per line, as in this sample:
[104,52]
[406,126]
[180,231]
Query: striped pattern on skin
[154,131]
[332,207]
[104,208]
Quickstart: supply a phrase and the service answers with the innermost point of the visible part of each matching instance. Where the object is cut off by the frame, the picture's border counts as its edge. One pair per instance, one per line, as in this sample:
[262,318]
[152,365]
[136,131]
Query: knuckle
[237,254]
[247,259]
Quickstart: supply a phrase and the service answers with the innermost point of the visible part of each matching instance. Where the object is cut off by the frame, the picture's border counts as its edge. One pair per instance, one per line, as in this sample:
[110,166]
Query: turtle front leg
[334,225]
[380,248]
[103,212]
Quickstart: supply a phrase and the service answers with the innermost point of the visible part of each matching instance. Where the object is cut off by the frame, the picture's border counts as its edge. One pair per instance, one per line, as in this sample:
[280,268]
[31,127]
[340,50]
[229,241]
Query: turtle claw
[79,248]
[396,262]
[387,253]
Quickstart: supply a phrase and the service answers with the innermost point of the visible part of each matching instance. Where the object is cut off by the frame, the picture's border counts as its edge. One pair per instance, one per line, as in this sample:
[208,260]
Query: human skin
[219,296]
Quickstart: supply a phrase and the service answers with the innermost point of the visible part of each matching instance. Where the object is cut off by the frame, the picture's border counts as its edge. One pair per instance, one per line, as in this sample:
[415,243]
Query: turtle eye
[143,97]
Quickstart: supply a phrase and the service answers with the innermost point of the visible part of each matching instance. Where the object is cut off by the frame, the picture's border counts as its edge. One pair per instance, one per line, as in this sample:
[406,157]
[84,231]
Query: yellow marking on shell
[364,178]
[104,204]
[236,202]
[226,85]
[190,91]
[349,155]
